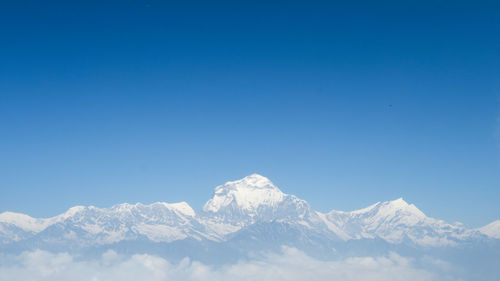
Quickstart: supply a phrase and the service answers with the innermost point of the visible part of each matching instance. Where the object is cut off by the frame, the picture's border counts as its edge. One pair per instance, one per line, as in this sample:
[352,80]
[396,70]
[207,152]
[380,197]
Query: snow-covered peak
[181,207]
[400,206]
[390,208]
[255,180]
[492,229]
[11,217]
[399,203]
[71,212]
[247,193]
[23,221]
[35,225]
[395,221]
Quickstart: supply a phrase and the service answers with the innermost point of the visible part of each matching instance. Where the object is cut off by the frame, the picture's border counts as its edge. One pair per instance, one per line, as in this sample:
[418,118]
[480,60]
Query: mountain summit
[492,229]
[248,209]
[237,204]
[246,194]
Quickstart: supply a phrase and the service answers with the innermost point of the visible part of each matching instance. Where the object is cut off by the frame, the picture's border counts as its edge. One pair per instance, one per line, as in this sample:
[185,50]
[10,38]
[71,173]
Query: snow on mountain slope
[491,230]
[255,198]
[15,226]
[159,222]
[245,195]
[23,221]
[395,221]
[248,208]
[36,225]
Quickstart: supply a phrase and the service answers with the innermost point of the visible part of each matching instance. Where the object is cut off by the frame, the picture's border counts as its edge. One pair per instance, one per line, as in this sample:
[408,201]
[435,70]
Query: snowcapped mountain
[396,222]
[253,199]
[245,195]
[492,229]
[249,211]
[24,222]
[158,222]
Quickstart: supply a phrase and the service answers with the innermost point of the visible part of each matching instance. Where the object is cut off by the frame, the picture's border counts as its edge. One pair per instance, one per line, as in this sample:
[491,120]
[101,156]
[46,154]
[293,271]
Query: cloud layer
[291,264]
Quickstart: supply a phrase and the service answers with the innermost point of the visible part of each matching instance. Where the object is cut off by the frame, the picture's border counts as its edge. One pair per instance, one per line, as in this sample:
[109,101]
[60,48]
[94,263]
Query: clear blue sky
[341,104]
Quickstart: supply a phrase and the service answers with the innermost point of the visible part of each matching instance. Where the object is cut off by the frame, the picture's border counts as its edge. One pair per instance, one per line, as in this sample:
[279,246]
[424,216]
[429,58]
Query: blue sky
[341,104]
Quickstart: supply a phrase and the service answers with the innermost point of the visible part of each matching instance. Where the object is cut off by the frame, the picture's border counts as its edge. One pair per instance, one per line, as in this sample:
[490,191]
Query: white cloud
[289,265]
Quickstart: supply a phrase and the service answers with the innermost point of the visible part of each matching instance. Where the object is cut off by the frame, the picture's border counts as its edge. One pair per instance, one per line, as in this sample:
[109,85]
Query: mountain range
[243,215]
